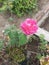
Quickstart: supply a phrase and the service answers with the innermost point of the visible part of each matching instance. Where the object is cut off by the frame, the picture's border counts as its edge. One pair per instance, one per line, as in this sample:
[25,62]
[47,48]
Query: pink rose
[29,26]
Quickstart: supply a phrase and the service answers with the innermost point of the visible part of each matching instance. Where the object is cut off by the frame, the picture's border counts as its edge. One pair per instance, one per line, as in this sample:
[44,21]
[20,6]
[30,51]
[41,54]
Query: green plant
[41,47]
[1,44]
[6,5]
[15,40]
[16,54]
[16,37]
[19,7]
[42,42]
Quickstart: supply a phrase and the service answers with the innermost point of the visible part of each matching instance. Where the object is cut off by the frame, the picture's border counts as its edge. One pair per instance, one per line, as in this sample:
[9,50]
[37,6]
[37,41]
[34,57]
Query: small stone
[3,31]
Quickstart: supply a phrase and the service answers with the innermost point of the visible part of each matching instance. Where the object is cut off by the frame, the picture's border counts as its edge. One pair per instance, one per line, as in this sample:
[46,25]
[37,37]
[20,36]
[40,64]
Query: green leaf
[38,56]
[3,8]
[22,39]
[41,37]
[14,38]
[13,35]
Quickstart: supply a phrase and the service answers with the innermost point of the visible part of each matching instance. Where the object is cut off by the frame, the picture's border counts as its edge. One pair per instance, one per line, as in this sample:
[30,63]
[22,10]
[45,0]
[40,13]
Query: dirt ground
[42,3]
[45,25]
[4,17]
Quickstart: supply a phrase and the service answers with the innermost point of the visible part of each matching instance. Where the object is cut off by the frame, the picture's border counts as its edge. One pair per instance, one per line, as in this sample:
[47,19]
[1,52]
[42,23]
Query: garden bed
[31,49]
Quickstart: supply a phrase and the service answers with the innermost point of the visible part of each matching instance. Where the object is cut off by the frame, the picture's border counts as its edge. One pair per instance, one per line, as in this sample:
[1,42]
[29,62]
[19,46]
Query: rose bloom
[29,26]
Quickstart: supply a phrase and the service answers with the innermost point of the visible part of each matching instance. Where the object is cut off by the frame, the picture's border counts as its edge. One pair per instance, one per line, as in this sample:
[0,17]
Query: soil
[45,25]
[42,3]
[32,48]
